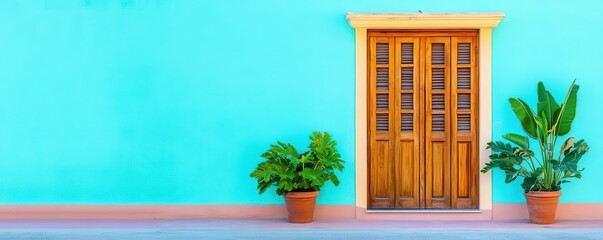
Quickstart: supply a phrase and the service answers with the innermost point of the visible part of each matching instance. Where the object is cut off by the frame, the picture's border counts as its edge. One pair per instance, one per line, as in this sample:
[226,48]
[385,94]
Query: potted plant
[299,176]
[542,178]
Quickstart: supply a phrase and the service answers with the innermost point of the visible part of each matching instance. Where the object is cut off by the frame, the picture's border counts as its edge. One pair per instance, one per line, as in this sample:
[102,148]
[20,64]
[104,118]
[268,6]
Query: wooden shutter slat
[407,101]
[382,123]
[382,102]
[464,123]
[464,102]
[464,53]
[438,53]
[407,78]
[407,122]
[407,53]
[438,102]
[382,53]
[382,78]
[438,79]
[438,123]
[464,78]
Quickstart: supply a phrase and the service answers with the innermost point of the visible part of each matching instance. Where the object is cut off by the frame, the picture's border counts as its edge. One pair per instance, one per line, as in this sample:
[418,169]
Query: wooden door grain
[423,118]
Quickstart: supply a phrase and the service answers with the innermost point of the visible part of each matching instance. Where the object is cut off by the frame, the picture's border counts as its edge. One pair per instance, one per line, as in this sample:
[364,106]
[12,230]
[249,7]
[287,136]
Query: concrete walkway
[280,229]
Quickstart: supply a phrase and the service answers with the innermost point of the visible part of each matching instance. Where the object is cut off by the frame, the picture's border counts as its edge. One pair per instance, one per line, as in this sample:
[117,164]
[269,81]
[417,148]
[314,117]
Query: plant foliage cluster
[550,121]
[291,171]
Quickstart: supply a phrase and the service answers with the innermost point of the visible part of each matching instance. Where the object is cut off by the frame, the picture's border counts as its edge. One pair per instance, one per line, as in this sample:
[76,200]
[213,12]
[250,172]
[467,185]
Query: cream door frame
[485,22]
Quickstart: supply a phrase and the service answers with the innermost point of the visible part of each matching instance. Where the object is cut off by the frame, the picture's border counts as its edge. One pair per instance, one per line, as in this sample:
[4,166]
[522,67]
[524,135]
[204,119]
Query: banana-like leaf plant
[291,171]
[549,122]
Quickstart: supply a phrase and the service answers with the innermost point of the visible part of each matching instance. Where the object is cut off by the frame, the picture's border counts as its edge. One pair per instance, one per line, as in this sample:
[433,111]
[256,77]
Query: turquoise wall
[172,102]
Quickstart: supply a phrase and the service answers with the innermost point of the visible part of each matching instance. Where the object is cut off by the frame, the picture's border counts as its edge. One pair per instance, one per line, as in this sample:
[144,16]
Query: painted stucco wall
[172,102]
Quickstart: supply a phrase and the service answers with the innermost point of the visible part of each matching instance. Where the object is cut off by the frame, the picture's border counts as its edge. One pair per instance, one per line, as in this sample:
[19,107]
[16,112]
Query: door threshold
[423,211]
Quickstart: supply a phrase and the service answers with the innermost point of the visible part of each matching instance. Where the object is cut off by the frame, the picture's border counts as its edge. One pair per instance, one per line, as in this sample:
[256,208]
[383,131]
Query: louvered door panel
[464,152]
[422,116]
[382,120]
[407,148]
[437,119]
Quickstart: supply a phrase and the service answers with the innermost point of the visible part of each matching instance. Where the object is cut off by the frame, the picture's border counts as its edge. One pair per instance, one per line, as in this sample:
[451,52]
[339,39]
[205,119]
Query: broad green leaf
[524,153]
[566,113]
[334,179]
[573,155]
[313,176]
[502,161]
[511,175]
[263,187]
[499,146]
[507,159]
[567,145]
[503,156]
[520,140]
[543,128]
[547,105]
[530,180]
[554,106]
[525,115]
[306,158]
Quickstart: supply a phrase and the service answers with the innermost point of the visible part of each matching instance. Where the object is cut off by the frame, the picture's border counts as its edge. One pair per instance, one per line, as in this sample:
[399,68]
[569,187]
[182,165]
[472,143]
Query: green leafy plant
[549,122]
[291,171]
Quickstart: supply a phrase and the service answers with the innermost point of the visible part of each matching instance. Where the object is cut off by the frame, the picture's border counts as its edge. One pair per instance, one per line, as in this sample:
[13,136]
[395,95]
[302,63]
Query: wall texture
[172,102]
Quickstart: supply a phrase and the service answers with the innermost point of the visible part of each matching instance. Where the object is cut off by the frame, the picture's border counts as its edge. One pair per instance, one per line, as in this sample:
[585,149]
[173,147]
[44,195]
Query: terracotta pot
[300,206]
[542,206]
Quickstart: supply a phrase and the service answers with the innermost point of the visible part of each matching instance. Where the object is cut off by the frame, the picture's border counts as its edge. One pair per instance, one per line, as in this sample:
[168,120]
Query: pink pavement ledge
[282,223]
[339,212]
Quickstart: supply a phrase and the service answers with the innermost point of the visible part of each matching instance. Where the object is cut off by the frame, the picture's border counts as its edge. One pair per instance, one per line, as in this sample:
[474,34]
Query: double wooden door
[422,115]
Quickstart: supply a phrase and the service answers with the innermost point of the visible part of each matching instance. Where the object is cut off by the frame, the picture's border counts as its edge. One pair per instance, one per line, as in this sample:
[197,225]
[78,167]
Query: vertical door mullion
[421,78]
[392,134]
[395,115]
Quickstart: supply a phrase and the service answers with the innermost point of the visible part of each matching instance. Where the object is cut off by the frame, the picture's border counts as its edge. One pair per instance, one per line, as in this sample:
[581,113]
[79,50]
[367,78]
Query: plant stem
[531,164]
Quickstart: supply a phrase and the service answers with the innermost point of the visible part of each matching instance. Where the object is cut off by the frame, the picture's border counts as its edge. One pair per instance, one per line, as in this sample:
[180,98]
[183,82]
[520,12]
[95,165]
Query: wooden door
[422,120]
[437,119]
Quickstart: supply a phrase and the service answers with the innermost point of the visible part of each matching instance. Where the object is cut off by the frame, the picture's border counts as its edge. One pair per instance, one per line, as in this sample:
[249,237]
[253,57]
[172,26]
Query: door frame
[484,22]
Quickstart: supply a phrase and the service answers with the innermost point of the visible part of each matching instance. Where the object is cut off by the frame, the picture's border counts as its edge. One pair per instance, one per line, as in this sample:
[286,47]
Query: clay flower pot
[542,206]
[300,206]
